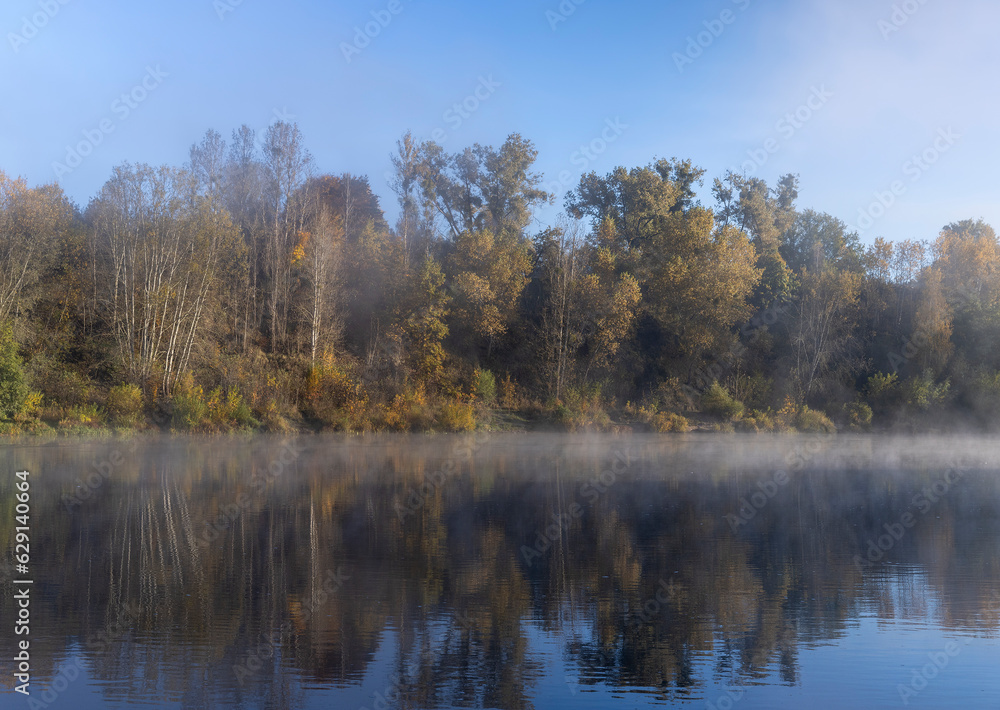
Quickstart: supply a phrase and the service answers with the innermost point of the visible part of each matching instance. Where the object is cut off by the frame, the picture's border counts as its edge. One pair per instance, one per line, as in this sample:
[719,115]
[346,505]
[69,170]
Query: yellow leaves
[700,287]
[480,306]
[935,323]
[335,386]
[880,259]
[614,325]
[11,191]
[32,403]
[732,265]
[627,293]
[788,413]
[314,379]
[603,262]
[409,411]
[907,260]
[968,256]
[475,288]
[489,273]
[457,416]
[508,393]
[215,401]
[299,251]
[607,235]
[33,223]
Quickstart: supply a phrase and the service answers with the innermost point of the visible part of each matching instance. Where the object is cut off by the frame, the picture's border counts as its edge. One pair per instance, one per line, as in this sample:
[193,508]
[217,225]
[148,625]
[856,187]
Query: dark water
[508,572]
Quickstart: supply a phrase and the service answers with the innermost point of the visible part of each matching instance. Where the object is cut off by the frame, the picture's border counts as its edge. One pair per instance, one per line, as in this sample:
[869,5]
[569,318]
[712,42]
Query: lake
[506,571]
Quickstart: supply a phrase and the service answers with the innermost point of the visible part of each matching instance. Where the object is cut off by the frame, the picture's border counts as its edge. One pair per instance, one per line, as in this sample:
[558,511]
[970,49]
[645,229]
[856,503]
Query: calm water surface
[511,571]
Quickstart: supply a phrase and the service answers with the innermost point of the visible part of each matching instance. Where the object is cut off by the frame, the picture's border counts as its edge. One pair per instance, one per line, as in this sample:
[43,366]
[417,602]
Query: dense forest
[245,290]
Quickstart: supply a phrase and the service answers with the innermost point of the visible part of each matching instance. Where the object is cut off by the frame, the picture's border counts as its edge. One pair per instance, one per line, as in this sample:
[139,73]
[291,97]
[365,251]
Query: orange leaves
[299,251]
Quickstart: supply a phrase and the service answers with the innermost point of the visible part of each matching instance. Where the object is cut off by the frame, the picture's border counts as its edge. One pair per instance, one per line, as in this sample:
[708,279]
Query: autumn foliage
[244,291]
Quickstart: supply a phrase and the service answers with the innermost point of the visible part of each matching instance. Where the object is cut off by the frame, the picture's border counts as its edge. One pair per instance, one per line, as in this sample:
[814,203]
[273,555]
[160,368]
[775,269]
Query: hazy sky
[845,93]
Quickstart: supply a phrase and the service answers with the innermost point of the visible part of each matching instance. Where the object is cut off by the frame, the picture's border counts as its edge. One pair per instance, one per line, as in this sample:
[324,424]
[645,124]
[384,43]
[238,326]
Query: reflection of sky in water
[443,605]
[860,663]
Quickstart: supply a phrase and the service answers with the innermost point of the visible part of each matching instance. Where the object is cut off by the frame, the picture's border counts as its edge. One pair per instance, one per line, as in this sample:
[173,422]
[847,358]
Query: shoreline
[491,421]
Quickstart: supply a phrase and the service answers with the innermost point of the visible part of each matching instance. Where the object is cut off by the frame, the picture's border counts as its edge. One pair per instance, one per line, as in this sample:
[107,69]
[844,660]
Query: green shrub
[124,405]
[14,392]
[334,397]
[582,408]
[669,422]
[982,393]
[272,385]
[922,392]
[457,416]
[758,421]
[188,406]
[239,411]
[408,411]
[753,390]
[509,398]
[882,392]
[669,396]
[58,383]
[82,416]
[859,416]
[717,402]
[813,421]
[229,411]
[485,386]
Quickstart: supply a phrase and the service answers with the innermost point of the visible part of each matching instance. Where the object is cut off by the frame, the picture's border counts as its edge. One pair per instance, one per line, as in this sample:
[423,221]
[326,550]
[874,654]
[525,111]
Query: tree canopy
[249,275]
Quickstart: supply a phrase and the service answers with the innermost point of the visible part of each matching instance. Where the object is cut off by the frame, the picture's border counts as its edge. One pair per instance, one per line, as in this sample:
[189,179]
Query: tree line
[245,289]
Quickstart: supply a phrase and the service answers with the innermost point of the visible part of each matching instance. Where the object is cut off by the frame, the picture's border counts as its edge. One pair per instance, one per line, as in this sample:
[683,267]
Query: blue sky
[887,81]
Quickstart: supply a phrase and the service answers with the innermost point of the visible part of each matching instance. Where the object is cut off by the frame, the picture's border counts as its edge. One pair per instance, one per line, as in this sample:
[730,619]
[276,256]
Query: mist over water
[512,571]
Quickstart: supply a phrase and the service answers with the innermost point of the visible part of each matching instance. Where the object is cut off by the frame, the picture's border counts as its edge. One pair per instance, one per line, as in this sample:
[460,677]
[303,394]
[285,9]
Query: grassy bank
[124,411]
[258,393]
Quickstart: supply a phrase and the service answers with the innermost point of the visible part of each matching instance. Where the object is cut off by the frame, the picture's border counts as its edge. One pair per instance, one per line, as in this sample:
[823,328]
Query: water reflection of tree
[448,593]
